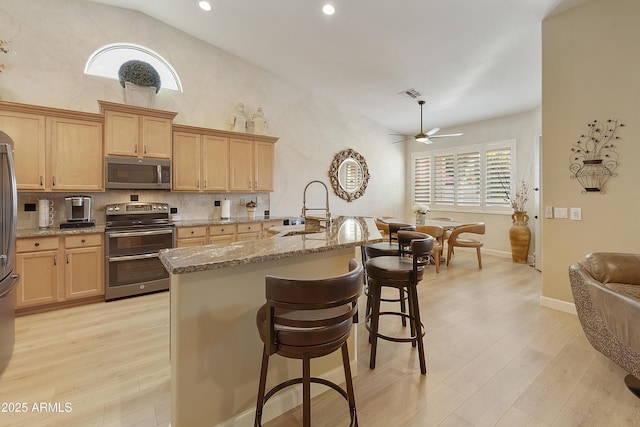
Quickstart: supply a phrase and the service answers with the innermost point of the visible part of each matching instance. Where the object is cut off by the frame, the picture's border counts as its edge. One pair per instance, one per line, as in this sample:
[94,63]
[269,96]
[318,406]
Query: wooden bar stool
[389,248]
[305,319]
[402,272]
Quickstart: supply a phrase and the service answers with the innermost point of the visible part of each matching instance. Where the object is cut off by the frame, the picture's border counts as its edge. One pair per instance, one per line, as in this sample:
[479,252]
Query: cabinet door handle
[249,184]
[145,149]
[41,180]
[67,258]
[53,180]
[55,260]
[197,183]
[83,241]
[37,244]
[135,149]
[205,183]
[255,184]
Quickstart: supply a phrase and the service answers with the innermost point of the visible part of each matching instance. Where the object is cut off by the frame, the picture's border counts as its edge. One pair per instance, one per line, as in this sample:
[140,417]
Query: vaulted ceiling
[470,60]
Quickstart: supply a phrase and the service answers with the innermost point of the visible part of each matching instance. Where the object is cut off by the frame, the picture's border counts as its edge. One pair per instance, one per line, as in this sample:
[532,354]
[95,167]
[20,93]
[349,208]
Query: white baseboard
[559,305]
[287,399]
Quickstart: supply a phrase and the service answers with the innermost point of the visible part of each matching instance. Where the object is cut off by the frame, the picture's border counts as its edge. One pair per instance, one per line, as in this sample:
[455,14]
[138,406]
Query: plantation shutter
[468,179]
[444,180]
[354,176]
[422,181]
[498,177]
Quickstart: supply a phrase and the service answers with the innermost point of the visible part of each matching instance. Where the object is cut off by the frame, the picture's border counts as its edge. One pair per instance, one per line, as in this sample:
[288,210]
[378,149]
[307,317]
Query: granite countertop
[345,232]
[56,231]
[241,220]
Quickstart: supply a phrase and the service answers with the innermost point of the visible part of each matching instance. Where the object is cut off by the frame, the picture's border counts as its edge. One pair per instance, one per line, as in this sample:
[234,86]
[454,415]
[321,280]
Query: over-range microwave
[133,173]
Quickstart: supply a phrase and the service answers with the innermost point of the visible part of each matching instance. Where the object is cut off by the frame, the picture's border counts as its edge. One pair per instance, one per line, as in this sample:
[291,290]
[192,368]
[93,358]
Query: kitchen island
[216,291]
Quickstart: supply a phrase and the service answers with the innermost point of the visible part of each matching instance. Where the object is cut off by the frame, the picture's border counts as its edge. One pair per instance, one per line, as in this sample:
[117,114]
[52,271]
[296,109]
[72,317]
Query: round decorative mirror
[349,175]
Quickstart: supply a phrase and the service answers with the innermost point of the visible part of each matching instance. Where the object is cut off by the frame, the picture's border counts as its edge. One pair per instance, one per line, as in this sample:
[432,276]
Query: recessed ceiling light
[204,5]
[328,9]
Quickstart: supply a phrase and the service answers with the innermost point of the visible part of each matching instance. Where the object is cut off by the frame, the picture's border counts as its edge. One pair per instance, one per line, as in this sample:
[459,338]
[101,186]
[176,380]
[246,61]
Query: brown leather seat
[305,319]
[437,233]
[464,242]
[403,272]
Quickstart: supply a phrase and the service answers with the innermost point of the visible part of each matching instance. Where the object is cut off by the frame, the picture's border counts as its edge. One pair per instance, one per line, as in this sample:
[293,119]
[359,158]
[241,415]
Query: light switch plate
[575,214]
[560,212]
[548,212]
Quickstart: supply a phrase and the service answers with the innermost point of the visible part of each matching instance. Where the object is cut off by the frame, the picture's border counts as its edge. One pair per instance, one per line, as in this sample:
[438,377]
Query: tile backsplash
[190,205]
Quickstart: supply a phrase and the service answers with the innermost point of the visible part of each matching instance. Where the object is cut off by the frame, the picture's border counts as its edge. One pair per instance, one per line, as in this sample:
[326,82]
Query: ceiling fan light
[422,138]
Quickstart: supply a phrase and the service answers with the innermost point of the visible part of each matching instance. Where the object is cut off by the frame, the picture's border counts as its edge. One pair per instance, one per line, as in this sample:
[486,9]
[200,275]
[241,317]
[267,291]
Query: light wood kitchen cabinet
[249,231]
[77,159]
[191,236]
[200,162]
[58,269]
[28,132]
[251,164]
[222,233]
[84,266]
[37,264]
[220,161]
[137,131]
[55,150]
[264,164]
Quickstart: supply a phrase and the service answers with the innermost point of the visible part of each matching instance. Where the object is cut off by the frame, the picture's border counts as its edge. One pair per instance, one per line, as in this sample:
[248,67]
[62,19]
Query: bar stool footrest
[316,380]
[412,338]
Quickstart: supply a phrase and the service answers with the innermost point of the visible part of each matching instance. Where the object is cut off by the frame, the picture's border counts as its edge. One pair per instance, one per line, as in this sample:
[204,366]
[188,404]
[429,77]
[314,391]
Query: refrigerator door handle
[16,279]
[14,203]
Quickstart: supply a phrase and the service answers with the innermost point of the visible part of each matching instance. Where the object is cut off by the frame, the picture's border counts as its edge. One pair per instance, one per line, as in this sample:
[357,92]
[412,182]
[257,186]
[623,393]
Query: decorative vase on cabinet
[520,237]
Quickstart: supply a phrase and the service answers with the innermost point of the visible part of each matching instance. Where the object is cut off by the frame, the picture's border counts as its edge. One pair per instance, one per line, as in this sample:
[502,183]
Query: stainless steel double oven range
[134,234]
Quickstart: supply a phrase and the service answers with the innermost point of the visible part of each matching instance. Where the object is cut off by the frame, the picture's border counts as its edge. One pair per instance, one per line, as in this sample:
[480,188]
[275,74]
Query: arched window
[106,61]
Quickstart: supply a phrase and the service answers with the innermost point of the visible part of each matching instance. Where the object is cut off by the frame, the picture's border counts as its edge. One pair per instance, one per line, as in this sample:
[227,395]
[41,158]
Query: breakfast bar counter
[216,291]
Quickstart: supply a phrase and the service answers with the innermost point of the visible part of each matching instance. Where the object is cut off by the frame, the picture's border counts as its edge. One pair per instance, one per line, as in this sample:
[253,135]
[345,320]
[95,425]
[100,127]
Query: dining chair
[437,233]
[463,241]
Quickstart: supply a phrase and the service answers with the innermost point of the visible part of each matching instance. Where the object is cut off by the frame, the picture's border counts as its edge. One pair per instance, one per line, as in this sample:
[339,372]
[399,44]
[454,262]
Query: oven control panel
[136,208]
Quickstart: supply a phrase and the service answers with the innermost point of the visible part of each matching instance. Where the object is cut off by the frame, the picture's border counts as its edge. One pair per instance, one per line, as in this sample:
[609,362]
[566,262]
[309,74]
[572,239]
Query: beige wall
[591,65]
[52,40]
[524,128]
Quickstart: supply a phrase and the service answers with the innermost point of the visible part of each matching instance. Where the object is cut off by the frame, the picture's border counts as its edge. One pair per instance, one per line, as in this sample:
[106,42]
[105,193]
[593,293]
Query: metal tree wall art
[593,156]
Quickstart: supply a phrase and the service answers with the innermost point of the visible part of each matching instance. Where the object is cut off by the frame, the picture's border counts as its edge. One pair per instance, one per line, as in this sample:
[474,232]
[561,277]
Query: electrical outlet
[548,212]
[575,214]
[560,212]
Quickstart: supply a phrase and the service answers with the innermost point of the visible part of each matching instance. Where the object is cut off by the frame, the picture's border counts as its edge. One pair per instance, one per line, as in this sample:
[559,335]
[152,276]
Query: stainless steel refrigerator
[8,276]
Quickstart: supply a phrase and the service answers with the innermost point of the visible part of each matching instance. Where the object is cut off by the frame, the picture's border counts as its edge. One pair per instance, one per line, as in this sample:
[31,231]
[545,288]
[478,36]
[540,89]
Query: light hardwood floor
[494,358]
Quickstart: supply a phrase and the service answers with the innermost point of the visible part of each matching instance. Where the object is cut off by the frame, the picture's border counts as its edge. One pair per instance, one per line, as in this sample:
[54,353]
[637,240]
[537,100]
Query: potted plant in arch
[140,81]
[519,233]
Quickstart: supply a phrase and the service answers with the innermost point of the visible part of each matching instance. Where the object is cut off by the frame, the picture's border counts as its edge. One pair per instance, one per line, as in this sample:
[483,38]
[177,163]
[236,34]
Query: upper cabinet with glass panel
[349,175]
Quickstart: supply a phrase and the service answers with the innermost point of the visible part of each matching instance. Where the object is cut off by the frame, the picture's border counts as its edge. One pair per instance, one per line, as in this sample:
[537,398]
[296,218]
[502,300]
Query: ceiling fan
[424,137]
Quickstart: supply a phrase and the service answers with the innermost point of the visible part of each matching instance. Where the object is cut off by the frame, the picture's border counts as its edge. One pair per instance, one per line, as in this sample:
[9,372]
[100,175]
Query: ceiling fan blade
[397,134]
[432,131]
[402,140]
[446,136]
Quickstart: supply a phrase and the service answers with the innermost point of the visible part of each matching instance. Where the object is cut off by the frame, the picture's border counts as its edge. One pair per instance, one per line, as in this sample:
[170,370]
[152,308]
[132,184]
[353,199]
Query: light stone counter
[346,232]
[216,291]
[239,220]
[56,231]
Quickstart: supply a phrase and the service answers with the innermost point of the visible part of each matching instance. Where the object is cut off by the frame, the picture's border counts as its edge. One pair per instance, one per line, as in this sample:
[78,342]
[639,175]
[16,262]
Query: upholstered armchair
[606,292]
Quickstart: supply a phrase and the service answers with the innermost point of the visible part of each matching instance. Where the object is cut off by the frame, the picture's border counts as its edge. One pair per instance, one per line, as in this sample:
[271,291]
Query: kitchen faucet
[314,223]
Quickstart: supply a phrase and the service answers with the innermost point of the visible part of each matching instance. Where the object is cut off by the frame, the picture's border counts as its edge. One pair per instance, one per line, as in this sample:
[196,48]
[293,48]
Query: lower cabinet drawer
[252,227]
[188,232]
[36,244]
[222,230]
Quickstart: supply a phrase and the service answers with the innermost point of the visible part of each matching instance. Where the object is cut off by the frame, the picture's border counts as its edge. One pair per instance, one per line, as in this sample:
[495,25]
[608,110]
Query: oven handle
[132,257]
[138,233]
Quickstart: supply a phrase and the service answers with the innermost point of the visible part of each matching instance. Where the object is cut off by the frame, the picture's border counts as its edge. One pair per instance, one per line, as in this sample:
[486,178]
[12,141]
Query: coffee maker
[78,210]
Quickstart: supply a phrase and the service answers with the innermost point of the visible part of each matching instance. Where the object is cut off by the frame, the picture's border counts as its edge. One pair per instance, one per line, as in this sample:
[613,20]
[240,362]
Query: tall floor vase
[520,237]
